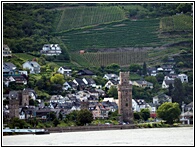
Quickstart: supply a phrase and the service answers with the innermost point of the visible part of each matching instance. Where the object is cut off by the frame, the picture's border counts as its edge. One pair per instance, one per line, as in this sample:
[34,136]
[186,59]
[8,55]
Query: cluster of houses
[86,92]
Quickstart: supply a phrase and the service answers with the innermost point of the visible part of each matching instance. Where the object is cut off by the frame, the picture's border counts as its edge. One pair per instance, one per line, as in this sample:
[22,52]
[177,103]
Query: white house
[166,83]
[111,83]
[6,51]
[160,99]
[65,71]
[23,72]
[183,78]
[33,66]
[69,85]
[57,98]
[108,99]
[51,49]
[111,77]
[135,106]
[89,82]
[143,83]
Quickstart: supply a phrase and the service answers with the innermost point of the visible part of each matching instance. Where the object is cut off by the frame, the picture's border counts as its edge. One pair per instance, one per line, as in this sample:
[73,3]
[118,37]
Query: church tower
[125,98]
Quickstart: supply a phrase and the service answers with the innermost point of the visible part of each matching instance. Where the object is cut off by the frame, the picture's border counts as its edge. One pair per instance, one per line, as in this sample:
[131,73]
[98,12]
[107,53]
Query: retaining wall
[89,128]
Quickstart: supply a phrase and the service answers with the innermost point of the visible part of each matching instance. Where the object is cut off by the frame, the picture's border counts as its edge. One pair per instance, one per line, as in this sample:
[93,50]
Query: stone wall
[89,128]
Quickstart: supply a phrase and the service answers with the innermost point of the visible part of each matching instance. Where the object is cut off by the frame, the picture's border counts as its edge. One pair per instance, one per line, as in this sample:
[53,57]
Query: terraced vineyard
[177,23]
[85,16]
[106,58]
[95,28]
[141,33]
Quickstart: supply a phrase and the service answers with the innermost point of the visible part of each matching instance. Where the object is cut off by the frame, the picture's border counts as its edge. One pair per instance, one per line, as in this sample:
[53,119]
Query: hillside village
[56,65]
[82,91]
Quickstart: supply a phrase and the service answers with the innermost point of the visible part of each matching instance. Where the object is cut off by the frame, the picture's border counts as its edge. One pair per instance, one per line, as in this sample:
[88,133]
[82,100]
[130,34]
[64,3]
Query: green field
[76,17]
[177,23]
[25,56]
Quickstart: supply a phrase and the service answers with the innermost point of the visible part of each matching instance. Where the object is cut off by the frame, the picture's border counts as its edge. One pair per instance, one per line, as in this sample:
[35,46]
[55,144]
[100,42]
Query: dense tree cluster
[169,111]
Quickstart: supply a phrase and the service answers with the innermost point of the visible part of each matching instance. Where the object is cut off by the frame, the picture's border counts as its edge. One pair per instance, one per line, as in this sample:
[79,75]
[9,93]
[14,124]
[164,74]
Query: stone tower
[25,97]
[13,104]
[125,98]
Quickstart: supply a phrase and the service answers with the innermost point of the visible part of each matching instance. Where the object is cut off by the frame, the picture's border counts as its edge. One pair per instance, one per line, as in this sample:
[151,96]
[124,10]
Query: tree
[184,7]
[113,66]
[160,77]
[144,70]
[112,92]
[170,89]
[178,92]
[56,122]
[169,111]
[19,123]
[99,80]
[72,116]
[84,116]
[51,116]
[137,115]
[151,79]
[135,68]
[57,79]
[145,113]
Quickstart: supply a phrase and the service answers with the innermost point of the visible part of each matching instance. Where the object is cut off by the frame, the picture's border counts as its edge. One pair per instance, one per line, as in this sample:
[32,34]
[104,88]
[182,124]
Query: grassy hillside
[75,17]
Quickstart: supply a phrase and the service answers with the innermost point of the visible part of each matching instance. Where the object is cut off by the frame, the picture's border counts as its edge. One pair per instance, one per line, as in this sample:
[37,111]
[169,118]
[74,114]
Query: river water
[179,136]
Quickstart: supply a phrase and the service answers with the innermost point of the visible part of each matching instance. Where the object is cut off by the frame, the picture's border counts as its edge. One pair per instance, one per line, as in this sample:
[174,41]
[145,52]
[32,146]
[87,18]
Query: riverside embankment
[89,128]
[178,136]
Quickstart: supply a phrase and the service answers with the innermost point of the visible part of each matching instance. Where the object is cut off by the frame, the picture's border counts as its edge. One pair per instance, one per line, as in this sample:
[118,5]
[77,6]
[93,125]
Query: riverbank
[180,136]
[103,127]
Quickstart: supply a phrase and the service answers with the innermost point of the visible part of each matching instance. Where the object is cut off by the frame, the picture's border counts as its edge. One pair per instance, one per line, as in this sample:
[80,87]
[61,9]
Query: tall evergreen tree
[178,92]
[144,69]
[170,89]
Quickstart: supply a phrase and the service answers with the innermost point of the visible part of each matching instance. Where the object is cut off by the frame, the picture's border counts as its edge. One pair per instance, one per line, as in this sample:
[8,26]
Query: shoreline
[91,128]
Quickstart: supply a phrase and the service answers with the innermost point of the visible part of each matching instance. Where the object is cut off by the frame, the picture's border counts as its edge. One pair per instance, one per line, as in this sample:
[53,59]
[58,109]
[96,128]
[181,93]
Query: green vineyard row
[106,58]
[85,16]
[176,23]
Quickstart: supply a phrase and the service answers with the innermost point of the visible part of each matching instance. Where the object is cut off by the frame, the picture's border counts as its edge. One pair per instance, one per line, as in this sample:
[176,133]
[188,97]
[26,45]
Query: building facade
[125,98]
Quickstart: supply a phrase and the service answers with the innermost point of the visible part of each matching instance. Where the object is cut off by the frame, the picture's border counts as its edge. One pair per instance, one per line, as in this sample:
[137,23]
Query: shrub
[149,125]
[176,124]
